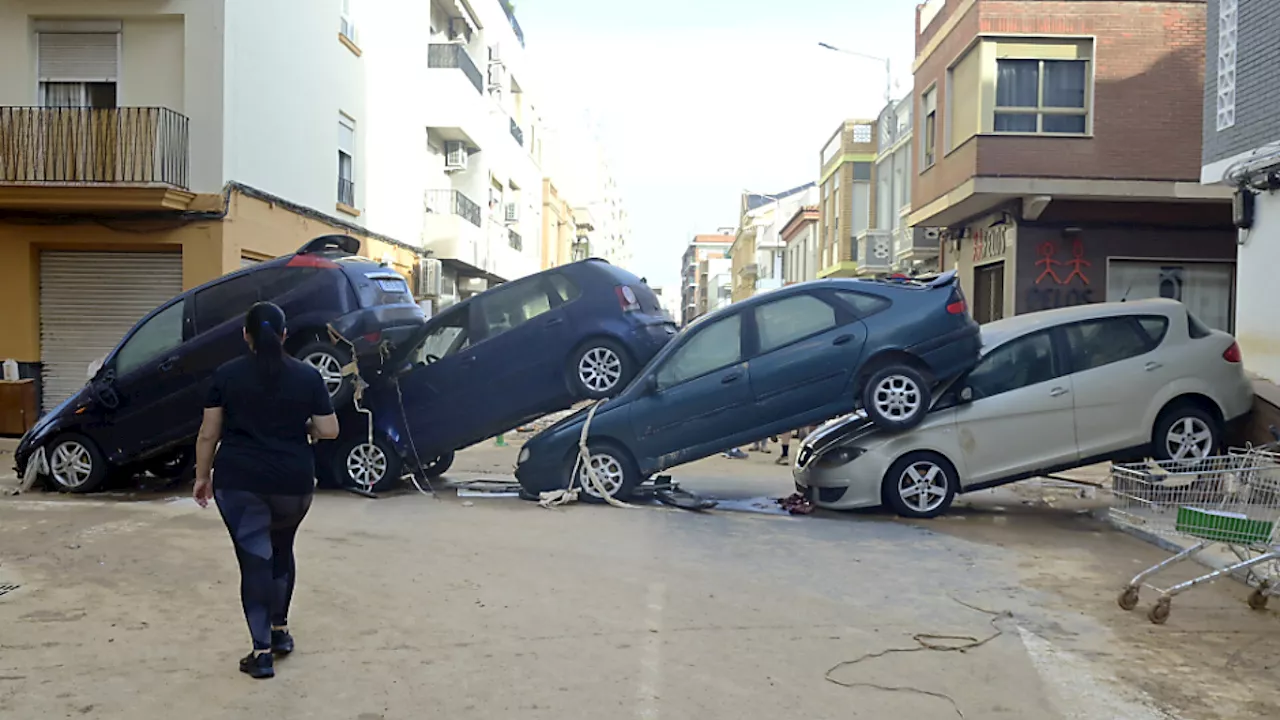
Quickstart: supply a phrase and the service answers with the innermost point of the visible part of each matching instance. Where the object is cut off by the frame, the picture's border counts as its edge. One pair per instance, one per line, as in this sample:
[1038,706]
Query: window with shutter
[78,69]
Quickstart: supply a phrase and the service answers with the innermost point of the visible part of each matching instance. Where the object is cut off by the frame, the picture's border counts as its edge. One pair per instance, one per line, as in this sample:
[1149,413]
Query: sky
[699,100]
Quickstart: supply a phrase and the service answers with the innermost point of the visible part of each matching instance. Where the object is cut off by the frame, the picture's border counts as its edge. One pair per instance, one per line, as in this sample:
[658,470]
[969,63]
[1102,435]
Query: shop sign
[1060,283]
[990,243]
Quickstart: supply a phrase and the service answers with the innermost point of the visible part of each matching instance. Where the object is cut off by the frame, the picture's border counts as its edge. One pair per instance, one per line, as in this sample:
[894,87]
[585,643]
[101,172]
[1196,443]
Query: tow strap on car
[555,498]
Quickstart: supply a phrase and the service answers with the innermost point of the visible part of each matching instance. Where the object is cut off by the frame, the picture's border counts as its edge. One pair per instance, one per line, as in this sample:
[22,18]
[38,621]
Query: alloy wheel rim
[329,369]
[896,397]
[1189,439]
[366,465]
[600,369]
[923,486]
[608,471]
[71,464]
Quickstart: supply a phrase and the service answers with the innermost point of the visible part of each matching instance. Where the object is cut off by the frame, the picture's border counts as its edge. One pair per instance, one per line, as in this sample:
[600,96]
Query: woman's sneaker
[258,665]
[281,642]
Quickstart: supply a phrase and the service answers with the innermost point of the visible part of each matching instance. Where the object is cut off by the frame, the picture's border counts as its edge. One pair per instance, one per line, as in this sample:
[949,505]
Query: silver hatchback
[1054,390]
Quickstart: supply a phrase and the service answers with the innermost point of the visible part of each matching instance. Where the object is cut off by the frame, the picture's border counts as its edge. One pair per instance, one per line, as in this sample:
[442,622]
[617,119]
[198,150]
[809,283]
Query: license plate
[393,286]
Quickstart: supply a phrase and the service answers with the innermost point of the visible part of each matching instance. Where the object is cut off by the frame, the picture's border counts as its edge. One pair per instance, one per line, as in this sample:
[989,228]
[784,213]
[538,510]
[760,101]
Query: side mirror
[966,394]
[651,385]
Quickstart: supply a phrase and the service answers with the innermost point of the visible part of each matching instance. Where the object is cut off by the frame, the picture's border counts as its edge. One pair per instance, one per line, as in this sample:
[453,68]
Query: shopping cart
[1231,500]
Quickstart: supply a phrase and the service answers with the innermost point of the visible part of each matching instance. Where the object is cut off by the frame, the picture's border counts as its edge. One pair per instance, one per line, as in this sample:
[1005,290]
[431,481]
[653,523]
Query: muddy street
[410,606]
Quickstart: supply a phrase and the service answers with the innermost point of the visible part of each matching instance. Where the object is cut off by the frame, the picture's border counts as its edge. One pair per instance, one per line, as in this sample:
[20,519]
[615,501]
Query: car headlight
[840,456]
[524,455]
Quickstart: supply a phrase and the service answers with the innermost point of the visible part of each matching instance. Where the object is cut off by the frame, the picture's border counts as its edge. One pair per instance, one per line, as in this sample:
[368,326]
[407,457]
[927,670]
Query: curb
[1174,548]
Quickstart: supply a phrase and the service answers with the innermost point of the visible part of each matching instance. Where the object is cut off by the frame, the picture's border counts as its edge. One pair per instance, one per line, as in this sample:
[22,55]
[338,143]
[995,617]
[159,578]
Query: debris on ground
[683,499]
[488,489]
[796,504]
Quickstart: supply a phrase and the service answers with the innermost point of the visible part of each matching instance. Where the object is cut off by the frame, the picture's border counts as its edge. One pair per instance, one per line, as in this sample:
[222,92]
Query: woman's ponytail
[265,325]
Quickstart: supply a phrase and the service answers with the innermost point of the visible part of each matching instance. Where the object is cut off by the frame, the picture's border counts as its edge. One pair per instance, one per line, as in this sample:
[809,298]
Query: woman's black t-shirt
[264,437]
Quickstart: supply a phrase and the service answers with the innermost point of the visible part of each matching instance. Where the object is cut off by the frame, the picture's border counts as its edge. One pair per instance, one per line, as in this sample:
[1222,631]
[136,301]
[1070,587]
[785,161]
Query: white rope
[36,466]
[556,498]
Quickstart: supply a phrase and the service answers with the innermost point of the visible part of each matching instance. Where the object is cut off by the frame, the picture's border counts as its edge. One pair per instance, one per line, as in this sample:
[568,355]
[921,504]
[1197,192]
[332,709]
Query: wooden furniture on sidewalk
[18,407]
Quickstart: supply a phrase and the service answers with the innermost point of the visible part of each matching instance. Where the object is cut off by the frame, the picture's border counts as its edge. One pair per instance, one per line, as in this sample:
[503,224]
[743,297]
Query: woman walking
[263,407]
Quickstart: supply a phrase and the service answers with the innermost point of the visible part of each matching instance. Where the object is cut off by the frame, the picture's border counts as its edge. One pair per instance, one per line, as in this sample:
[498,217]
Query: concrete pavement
[410,607]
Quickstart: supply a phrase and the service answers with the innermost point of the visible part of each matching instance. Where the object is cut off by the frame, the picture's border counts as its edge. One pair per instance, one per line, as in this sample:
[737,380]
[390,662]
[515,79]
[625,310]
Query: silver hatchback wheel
[1189,438]
[71,464]
[367,465]
[923,486]
[897,397]
[599,369]
[608,470]
[328,367]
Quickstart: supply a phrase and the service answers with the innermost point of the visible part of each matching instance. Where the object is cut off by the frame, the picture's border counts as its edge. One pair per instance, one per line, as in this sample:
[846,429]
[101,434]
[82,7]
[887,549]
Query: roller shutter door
[88,301]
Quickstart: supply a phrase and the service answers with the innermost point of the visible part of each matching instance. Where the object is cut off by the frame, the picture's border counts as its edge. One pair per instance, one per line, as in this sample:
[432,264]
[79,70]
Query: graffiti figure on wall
[1056,295]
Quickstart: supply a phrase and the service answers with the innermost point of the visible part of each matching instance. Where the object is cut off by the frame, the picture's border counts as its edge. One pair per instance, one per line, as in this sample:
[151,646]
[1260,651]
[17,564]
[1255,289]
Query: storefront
[985,253]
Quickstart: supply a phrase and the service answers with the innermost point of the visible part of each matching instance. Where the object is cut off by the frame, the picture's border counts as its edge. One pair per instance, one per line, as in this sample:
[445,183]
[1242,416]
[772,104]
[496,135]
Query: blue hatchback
[767,365]
[495,361]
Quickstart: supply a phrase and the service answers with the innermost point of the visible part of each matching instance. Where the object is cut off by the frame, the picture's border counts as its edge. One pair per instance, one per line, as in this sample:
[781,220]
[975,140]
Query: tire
[931,475]
[599,368]
[76,465]
[896,398]
[439,466]
[615,468]
[374,467]
[1185,432]
[329,359]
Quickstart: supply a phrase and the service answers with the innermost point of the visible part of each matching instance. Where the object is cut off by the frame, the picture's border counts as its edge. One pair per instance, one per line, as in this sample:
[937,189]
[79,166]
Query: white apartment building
[576,157]
[454,138]
[238,126]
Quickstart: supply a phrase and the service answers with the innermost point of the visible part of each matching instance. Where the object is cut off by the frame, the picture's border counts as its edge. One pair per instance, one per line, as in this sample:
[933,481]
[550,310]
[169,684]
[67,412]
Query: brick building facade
[1058,151]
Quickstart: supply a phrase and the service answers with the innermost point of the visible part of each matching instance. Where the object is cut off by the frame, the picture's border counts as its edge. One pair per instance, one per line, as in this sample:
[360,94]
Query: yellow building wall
[210,248]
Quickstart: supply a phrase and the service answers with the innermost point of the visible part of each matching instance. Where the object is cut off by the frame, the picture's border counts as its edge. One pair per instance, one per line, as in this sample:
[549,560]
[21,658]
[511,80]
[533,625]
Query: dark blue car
[495,361]
[776,362]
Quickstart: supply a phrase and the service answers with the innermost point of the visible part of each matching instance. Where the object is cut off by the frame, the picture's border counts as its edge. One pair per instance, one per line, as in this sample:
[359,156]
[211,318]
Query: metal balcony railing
[453,55]
[511,18]
[347,192]
[127,145]
[875,247]
[452,202]
[514,240]
[516,132]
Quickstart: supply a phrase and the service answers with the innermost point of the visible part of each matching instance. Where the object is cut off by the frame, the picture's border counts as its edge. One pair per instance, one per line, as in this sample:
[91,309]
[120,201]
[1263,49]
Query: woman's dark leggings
[262,528]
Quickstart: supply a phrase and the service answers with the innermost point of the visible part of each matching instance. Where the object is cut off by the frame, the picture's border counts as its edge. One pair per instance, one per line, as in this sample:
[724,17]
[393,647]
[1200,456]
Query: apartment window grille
[1228,16]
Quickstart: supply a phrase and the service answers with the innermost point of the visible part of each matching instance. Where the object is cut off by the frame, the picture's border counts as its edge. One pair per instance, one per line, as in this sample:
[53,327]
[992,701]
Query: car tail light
[311,261]
[1232,354]
[956,304]
[627,299]
[373,337]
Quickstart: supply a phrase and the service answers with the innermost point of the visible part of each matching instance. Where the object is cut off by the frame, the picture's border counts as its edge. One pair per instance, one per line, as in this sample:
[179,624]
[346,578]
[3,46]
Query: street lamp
[888,73]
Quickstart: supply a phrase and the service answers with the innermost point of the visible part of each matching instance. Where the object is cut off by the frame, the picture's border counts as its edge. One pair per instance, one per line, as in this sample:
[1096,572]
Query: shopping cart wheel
[1160,611]
[1258,599]
[1128,599]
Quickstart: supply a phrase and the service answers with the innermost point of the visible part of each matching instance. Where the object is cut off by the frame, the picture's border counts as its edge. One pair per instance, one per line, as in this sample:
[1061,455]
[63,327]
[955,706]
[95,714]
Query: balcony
[516,132]
[458,108]
[73,158]
[453,55]
[912,245]
[511,18]
[451,228]
[452,202]
[875,247]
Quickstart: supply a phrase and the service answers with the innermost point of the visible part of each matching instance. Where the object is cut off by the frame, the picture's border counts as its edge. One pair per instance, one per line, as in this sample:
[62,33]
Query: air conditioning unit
[430,278]
[495,53]
[497,76]
[455,155]
[512,213]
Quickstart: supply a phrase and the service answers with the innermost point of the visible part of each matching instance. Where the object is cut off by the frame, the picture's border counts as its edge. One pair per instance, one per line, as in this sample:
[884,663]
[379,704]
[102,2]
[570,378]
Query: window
[862,171]
[346,26]
[863,305]
[564,287]
[78,69]
[279,281]
[227,301]
[1228,22]
[1101,342]
[1041,96]
[1206,288]
[346,160]
[513,306]
[1155,326]
[716,346]
[163,332]
[785,321]
[929,108]
[1017,364]
[446,339]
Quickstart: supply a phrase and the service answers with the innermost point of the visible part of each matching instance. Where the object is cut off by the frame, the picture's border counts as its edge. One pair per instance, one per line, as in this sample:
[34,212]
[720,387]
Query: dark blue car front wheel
[615,473]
